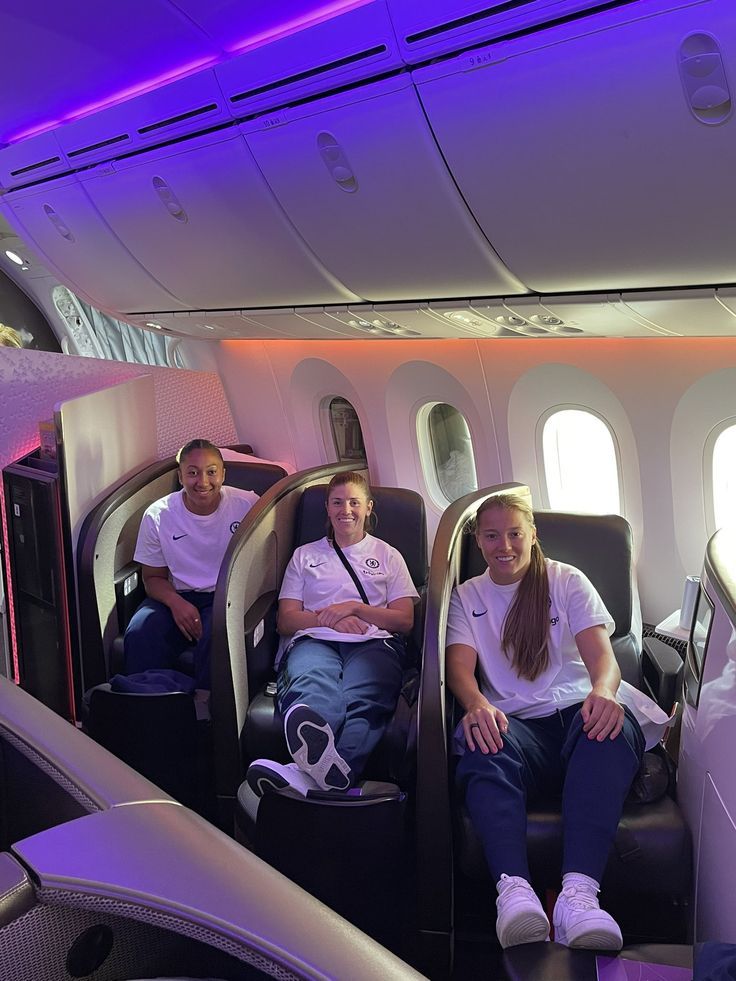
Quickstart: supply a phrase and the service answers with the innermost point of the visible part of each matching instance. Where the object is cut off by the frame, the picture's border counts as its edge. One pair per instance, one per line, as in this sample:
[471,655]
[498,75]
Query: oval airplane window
[347,436]
[451,463]
[580,462]
[724,476]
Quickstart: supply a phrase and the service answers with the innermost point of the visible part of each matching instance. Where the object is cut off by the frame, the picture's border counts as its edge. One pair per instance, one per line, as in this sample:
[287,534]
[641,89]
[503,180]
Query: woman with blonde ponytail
[530,662]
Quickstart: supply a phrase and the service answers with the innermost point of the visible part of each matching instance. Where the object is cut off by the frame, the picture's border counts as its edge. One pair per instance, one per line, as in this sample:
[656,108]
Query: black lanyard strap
[351,572]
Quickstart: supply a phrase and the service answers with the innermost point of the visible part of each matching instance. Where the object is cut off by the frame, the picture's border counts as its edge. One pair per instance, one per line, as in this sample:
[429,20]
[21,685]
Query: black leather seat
[401,523]
[648,880]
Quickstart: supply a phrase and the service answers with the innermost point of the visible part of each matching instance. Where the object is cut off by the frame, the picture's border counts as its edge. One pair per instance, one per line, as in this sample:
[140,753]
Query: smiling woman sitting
[182,540]
[530,662]
[345,604]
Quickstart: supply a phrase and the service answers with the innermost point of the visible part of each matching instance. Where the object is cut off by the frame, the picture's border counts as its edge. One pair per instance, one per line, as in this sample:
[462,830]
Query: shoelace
[580,899]
[510,889]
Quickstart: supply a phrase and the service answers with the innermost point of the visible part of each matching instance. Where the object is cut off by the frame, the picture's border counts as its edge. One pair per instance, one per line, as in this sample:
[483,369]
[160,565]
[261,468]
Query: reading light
[14,257]
[151,324]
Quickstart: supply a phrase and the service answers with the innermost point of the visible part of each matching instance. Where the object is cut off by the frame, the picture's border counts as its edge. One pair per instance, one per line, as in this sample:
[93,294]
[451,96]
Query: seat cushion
[651,853]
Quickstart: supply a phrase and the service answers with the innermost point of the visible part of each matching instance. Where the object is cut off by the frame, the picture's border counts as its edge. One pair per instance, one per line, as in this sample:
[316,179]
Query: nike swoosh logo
[177,537]
[481,614]
[314,565]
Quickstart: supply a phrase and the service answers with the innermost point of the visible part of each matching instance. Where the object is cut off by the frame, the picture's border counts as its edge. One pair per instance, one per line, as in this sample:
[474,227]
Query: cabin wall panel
[255,399]
[706,403]
[458,381]
[645,388]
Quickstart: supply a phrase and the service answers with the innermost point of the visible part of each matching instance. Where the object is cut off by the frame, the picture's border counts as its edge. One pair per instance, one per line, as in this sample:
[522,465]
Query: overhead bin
[581,156]
[425,30]
[199,216]
[354,45]
[361,177]
[63,225]
[189,104]
[32,160]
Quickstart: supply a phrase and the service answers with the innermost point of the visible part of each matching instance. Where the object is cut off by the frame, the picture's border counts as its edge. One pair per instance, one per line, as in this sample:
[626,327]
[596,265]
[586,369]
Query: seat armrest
[662,670]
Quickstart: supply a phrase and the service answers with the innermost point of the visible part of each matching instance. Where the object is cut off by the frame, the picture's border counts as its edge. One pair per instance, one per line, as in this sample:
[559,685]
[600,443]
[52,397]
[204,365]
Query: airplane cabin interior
[461,248]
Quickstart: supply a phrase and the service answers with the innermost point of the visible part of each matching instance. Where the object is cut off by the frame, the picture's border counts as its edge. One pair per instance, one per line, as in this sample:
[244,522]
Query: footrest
[347,849]
[157,734]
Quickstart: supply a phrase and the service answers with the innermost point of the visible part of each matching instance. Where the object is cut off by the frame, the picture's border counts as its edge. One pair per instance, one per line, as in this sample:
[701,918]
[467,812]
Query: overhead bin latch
[336,162]
[704,79]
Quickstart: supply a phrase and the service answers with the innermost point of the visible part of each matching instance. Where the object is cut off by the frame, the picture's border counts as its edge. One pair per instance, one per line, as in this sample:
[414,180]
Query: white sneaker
[268,776]
[311,744]
[580,922]
[520,918]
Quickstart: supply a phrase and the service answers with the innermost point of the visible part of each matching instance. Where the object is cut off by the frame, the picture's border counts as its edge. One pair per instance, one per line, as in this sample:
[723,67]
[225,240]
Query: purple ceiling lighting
[77,60]
[284,28]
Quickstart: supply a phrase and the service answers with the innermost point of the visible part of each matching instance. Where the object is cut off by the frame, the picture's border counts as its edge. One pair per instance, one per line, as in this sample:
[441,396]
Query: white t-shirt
[191,546]
[478,608]
[316,576]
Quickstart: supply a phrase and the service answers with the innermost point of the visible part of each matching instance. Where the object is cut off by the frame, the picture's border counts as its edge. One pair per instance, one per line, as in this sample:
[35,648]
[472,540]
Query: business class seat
[652,851]
[158,734]
[351,852]
[401,523]
[110,583]
[648,879]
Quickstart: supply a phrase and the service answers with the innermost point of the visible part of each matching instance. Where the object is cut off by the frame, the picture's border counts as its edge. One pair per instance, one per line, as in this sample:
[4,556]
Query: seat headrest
[597,544]
[401,523]
[257,477]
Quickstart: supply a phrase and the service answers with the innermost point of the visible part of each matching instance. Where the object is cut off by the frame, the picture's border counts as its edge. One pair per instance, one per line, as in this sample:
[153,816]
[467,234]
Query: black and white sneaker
[311,744]
[267,777]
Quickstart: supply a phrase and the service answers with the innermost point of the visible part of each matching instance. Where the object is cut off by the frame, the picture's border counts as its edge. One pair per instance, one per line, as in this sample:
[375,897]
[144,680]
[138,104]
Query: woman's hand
[186,617]
[603,717]
[483,725]
[351,625]
[330,616]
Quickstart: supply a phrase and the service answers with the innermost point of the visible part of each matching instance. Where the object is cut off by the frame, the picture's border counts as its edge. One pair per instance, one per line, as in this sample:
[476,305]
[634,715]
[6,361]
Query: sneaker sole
[262,781]
[595,940]
[531,928]
[311,745]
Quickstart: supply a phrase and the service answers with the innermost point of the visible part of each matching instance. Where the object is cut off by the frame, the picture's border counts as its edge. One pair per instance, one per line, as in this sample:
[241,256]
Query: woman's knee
[151,620]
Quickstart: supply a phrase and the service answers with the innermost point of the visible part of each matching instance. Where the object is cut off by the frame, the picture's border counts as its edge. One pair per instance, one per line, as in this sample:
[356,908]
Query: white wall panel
[30,160]
[700,408]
